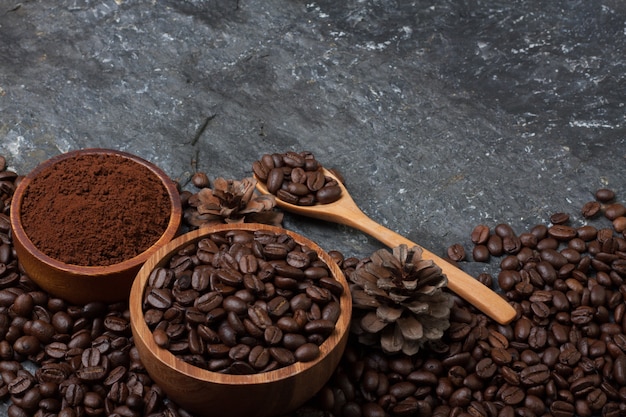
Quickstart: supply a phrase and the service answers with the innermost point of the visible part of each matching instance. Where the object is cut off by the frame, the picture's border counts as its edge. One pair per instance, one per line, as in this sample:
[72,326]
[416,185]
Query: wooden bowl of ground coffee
[84,222]
[240,320]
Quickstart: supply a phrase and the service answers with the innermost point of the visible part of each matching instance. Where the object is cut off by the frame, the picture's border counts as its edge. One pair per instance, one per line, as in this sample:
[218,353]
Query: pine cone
[232,201]
[398,300]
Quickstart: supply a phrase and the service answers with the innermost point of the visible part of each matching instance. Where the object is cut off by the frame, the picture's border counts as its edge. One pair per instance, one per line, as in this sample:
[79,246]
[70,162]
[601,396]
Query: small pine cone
[398,300]
[232,201]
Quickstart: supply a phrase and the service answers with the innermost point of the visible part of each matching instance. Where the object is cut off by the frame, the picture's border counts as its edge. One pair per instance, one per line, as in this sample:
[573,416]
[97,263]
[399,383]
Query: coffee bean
[481,253]
[321,326]
[274,181]
[511,395]
[306,352]
[562,409]
[283,356]
[604,195]
[456,252]
[328,194]
[614,210]
[559,218]
[562,232]
[23,305]
[619,369]
[535,374]
[318,294]
[159,298]
[41,329]
[91,373]
[315,180]
[161,338]
[480,234]
[27,345]
[494,245]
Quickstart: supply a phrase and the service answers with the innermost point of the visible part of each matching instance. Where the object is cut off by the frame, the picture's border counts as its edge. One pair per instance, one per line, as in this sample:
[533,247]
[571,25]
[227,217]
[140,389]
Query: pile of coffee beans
[242,302]
[563,355]
[296,178]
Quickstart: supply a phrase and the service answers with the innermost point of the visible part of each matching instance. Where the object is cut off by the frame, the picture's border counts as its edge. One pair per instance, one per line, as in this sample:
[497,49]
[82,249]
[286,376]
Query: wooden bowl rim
[99,270]
[166,358]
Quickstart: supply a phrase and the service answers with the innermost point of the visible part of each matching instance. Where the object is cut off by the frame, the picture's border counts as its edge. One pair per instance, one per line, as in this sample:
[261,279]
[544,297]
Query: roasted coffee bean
[535,374]
[614,210]
[273,335]
[208,301]
[328,194]
[480,234]
[331,311]
[27,345]
[20,384]
[590,209]
[559,218]
[41,329]
[562,232]
[511,395]
[159,298]
[503,230]
[494,245]
[486,368]
[321,326]
[293,341]
[259,357]
[619,369]
[23,305]
[200,179]
[553,257]
[604,195]
[306,352]
[161,338]
[274,181]
[562,409]
[283,356]
[456,252]
[481,253]
[91,373]
[315,180]
[318,294]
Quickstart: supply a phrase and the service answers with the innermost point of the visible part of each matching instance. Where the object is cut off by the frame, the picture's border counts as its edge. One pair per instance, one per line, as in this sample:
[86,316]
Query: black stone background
[440,114]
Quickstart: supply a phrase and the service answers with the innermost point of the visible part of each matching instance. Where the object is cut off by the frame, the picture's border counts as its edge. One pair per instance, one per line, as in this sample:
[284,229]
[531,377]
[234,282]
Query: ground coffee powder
[95,210]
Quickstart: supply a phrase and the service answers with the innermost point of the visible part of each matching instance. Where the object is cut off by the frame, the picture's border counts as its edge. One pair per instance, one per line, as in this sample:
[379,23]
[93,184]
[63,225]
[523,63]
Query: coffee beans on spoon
[296,178]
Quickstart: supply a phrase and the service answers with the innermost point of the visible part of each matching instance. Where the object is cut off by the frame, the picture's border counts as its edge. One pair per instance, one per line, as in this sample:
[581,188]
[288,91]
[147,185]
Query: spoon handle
[463,284]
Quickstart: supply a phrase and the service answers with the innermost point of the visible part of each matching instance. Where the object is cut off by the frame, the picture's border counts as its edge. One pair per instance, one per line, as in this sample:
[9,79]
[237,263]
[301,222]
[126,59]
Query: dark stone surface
[441,115]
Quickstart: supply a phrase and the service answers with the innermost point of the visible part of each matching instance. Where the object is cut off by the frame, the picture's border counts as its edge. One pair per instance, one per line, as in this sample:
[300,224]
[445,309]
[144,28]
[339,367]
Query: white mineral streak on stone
[591,124]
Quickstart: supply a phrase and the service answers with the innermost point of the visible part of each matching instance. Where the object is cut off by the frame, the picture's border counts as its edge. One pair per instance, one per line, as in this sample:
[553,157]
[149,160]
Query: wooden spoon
[345,211]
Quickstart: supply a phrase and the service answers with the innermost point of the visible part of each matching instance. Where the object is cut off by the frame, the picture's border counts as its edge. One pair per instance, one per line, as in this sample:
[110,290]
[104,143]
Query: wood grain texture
[213,394]
[84,284]
[345,211]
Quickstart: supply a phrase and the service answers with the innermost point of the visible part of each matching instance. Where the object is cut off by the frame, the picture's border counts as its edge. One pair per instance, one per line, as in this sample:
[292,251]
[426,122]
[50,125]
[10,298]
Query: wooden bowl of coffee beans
[85,221]
[240,319]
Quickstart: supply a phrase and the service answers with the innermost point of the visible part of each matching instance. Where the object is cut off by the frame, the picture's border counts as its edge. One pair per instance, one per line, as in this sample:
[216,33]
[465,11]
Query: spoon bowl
[345,211]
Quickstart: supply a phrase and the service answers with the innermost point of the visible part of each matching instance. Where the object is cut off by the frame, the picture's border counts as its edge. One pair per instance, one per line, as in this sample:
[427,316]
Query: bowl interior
[77,270]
